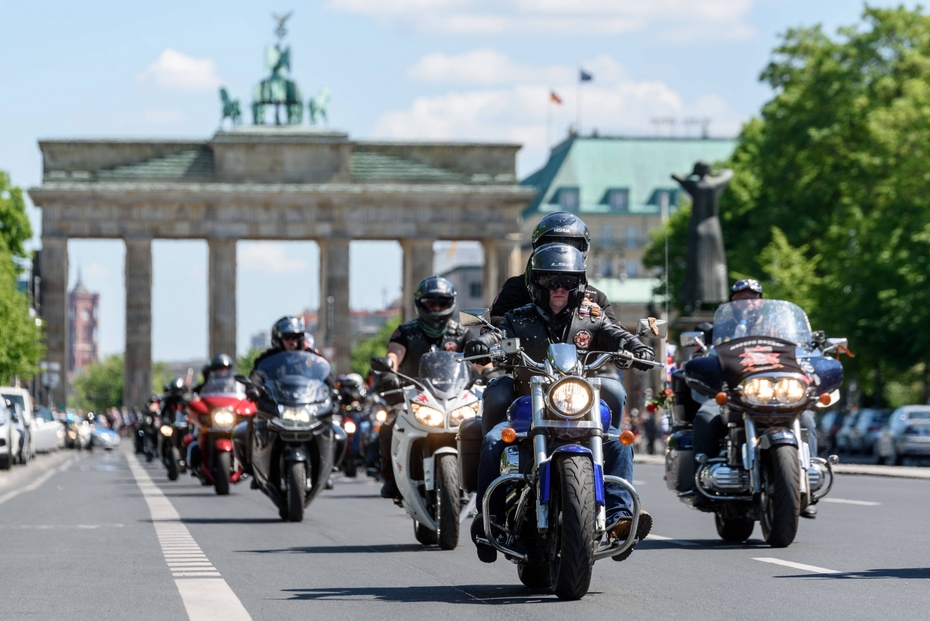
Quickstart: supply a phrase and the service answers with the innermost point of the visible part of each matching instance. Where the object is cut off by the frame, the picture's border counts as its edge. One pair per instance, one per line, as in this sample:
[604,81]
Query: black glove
[384,360]
[388,381]
[477,347]
[643,352]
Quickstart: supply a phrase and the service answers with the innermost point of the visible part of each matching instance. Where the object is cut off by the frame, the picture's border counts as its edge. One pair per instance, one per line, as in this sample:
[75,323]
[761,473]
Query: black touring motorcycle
[764,369]
[291,442]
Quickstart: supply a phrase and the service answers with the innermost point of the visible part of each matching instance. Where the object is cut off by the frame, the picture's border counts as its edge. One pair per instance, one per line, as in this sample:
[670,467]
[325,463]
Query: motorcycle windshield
[773,318]
[443,374]
[226,385]
[295,377]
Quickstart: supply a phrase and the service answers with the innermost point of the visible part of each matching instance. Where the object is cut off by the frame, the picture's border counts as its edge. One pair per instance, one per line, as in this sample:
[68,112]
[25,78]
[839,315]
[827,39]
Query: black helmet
[562,227]
[553,265]
[175,386]
[287,326]
[220,361]
[435,301]
[747,284]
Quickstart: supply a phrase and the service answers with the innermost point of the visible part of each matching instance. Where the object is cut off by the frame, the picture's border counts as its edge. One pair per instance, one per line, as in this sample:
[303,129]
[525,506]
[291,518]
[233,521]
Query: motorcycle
[356,425]
[376,411]
[292,440]
[424,453]
[554,525]
[764,374]
[215,412]
[172,433]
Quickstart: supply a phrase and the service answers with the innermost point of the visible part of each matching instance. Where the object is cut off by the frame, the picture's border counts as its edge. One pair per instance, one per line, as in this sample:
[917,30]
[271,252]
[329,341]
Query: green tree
[244,364]
[375,346]
[100,385]
[15,229]
[829,202]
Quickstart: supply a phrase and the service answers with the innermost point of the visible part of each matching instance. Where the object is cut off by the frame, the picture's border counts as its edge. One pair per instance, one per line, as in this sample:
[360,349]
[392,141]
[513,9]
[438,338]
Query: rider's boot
[486,553]
[621,530]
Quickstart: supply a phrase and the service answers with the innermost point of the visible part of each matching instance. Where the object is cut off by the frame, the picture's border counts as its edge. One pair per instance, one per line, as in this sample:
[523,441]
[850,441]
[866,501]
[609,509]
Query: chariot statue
[317,107]
[231,108]
[277,89]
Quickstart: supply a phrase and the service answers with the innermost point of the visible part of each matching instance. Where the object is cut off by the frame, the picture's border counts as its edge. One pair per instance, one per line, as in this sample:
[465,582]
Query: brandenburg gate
[288,182]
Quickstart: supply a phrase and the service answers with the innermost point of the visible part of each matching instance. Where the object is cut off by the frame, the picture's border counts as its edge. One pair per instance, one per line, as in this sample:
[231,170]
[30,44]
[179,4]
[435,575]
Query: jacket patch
[583,339]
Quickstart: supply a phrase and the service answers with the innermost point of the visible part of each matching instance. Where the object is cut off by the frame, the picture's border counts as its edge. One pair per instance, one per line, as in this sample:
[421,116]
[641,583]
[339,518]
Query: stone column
[501,261]
[137,377]
[418,264]
[221,304]
[54,298]
[334,326]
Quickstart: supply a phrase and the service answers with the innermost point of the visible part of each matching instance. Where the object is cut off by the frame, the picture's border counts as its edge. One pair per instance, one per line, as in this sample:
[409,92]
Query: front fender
[775,436]
[292,453]
[545,474]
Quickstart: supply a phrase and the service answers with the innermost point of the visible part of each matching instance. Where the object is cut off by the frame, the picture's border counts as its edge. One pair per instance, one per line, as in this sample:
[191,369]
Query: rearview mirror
[242,379]
[654,328]
[691,338]
[838,342]
[470,317]
[381,364]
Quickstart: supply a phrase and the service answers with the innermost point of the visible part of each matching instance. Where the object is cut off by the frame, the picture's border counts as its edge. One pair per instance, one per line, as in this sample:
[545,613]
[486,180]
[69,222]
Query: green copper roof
[596,167]
[193,165]
[371,166]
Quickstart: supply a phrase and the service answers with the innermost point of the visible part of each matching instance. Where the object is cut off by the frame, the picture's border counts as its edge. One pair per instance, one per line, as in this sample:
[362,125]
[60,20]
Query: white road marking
[676,542]
[208,598]
[54,526]
[45,476]
[861,503]
[801,566]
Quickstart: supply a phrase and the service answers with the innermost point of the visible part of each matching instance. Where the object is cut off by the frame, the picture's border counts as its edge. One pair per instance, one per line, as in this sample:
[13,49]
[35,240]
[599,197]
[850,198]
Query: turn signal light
[721,398]
[509,435]
[626,437]
[825,399]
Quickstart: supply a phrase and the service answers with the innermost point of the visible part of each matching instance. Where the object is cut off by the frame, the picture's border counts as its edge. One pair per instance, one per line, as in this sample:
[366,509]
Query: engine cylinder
[723,478]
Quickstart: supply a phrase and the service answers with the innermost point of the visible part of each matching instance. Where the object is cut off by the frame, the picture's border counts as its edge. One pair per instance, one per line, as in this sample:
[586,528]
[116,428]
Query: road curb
[895,472]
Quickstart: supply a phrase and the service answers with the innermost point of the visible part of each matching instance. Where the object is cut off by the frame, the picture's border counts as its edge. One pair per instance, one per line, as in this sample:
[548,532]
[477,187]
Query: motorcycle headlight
[381,416]
[166,431]
[571,397]
[299,415]
[349,425]
[425,415]
[774,391]
[463,413]
[223,418]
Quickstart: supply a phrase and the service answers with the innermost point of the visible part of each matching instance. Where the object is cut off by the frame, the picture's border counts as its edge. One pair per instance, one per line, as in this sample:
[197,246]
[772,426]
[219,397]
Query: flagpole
[578,120]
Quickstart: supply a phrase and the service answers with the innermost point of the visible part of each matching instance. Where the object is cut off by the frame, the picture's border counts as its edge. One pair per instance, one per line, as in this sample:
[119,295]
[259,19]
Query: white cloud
[175,70]
[519,111]
[690,19]
[269,257]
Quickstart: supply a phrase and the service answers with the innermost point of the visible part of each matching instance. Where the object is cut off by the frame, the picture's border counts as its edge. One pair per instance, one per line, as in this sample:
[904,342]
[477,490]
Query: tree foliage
[830,202]
[375,346]
[246,362]
[100,385]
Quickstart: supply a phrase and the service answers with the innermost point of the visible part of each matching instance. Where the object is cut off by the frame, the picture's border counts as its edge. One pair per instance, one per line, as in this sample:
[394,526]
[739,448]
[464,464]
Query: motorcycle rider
[566,228]
[176,394]
[709,426]
[556,282]
[434,299]
[220,366]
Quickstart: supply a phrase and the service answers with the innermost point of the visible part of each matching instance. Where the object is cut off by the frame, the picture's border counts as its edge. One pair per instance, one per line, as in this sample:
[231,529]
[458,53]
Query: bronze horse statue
[231,109]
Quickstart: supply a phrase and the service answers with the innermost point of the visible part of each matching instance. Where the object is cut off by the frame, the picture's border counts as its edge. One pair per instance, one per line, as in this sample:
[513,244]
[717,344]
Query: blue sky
[397,69]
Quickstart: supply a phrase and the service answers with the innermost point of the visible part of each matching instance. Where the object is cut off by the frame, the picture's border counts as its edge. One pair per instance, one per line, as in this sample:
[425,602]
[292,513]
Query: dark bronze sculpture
[706,273]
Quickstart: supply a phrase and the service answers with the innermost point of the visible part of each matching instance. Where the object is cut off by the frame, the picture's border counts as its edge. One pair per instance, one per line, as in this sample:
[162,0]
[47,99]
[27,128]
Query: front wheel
[571,527]
[223,465]
[350,468]
[174,456]
[296,490]
[734,530]
[781,495]
[448,501]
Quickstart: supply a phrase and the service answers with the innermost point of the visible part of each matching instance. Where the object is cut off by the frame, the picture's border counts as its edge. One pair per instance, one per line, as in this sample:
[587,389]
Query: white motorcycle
[424,454]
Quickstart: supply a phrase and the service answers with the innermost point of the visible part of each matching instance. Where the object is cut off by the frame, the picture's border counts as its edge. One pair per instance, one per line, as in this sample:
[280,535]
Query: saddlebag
[679,462]
[469,444]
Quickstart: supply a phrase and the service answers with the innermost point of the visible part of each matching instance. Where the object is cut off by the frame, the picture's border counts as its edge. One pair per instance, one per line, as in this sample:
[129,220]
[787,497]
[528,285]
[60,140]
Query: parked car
[20,439]
[830,425]
[842,436]
[103,437]
[8,435]
[906,435]
[22,400]
[862,435]
[50,434]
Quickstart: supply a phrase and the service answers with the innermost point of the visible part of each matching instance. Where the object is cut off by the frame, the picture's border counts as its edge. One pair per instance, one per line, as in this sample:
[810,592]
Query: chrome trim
[828,463]
[699,487]
[599,552]
[750,461]
[488,539]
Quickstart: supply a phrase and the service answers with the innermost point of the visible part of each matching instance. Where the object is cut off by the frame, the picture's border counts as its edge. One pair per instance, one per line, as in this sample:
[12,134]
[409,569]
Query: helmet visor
[556,281]
[437,303]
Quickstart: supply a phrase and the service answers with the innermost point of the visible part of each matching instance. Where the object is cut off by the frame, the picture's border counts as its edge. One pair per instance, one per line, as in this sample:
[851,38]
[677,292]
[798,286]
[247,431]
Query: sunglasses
[437,303]
[290,337]
[556,281]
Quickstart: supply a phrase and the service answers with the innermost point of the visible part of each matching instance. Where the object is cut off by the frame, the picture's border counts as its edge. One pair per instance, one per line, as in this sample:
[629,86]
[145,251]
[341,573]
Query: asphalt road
[78,541]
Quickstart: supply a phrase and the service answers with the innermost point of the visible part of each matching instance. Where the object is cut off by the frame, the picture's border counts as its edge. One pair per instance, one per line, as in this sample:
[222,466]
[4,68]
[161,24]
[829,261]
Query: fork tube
[539,451]
[749,452]
[597,450]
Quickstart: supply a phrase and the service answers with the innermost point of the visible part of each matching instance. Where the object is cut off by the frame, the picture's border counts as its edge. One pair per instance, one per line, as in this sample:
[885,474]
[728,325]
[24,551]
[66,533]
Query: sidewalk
[18,475]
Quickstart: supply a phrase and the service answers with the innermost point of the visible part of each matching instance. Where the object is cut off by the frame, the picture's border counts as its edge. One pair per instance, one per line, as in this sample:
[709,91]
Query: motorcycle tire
[448,501]
[223,464]
[171,463]
[350,468]
[296,490]
[6,462]
[423,534]
[571,524]
[534,576]
[781,495]
[735,530]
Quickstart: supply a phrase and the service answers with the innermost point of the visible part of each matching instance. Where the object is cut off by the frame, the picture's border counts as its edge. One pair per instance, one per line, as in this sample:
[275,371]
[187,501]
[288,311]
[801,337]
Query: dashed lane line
[675,542]
[206,596]
[844,501]
[801,566]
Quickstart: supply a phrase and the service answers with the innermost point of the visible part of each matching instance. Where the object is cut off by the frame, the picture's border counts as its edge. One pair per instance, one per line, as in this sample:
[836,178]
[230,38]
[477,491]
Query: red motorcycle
[220,406]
